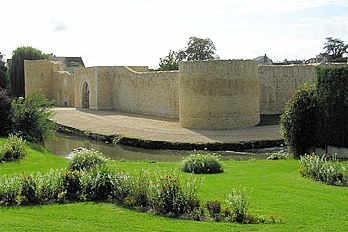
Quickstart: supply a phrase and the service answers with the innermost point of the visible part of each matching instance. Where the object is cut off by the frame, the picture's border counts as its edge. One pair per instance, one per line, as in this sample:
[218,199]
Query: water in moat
[66,143]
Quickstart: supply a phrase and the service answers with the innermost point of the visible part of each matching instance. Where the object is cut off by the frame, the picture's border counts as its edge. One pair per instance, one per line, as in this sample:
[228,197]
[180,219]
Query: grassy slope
[277,189]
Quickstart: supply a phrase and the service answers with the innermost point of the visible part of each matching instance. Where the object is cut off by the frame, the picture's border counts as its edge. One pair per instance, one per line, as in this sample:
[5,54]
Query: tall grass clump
[202,163]
[84,159]
[329,171]
[13,148]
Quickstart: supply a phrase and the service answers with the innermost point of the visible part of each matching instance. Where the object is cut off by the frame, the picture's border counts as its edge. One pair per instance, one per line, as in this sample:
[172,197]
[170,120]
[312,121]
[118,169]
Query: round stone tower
[219,94]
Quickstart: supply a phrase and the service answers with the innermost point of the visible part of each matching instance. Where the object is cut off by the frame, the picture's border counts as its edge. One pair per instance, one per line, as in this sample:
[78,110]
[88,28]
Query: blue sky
[139,32]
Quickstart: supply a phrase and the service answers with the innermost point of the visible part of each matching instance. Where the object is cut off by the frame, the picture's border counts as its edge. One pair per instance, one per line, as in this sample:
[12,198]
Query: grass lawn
[277,189]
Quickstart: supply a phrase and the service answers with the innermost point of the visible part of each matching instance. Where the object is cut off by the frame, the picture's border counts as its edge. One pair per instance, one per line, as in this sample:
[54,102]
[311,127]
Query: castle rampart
[219,94]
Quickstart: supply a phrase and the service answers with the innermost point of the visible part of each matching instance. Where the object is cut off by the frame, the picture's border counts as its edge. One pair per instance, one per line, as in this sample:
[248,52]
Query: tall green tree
[17,68]
[335,48]
[169,62]
[197,49]
[200,49]
[3,74]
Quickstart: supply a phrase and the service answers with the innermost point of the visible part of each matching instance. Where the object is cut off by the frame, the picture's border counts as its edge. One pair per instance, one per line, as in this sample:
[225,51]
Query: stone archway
[85,95]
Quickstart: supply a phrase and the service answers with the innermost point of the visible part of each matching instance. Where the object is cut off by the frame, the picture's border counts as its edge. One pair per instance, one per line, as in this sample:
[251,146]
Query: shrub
[171,196]
[10,189]
[214,209]
[71,184]
[321,169]
[28,190]
[279,155]
[13,148]
[49,185]
[122,186]
[31,118]
[332,91]
[202,163]
[96,184]
[84,159]
[140,191]
[239,201]
[298,122]
[5,112]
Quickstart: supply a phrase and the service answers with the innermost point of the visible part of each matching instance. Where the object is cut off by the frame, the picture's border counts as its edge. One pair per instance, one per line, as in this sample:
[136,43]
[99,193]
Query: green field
[277,189]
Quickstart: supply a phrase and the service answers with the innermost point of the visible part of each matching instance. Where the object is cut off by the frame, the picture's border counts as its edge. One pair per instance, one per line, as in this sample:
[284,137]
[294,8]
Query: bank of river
[66,143]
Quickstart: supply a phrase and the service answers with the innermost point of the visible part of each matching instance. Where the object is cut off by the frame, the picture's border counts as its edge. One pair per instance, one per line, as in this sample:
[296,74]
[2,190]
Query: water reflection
[66,143]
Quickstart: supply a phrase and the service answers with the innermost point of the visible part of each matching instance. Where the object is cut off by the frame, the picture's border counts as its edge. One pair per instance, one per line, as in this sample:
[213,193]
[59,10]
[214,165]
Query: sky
[140,32]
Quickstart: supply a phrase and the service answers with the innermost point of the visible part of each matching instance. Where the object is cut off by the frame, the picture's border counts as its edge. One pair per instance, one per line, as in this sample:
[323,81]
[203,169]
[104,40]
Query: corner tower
[219,94]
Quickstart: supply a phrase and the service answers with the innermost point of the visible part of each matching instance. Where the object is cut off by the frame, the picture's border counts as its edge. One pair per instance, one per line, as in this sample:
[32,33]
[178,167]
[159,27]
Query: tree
[5,112]
[17,68]
[335,48]
[169,62]
[200,49]
[31,118]
[3,74]
[197,49]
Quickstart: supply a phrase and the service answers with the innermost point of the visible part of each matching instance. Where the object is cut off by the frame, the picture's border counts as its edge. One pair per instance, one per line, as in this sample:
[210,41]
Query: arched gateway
[85,95]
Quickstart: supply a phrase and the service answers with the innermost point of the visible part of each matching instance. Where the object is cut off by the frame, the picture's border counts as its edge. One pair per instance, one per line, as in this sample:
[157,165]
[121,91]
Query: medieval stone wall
[219,94]
[86,76]
[50,79]
[202,94]
[150,93]
[279,82]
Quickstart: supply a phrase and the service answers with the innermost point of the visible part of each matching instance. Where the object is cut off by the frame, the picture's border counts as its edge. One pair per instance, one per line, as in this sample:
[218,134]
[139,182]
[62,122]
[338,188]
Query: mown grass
[277,189]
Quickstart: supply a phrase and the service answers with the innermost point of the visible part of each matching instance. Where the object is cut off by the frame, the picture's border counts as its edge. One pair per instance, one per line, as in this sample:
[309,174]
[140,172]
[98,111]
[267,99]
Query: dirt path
[156,128]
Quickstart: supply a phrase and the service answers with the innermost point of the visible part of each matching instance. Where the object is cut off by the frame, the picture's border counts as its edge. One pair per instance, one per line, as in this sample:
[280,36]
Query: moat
[66,143]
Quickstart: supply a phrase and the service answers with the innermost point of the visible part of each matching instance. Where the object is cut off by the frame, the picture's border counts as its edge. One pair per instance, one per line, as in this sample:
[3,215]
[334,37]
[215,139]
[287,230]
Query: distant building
[289,62]
[70,62]
[322,57]
[264,60]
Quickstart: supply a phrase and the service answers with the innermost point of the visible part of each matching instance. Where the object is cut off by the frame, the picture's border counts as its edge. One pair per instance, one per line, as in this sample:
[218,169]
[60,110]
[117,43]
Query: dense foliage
[202,163]
[197,49]
[84,159]
[3,74]
[298,122]
[317,115]
[5,112]
[329,171]
[332,91]
[13,149]
[17,68]
[31,118]
[335,48]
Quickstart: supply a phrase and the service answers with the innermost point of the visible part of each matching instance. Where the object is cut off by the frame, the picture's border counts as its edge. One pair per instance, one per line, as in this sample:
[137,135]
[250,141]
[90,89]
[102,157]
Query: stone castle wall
[279,82]
[202,94]
[50,79]
[123,89]
[219,94]
[150,93]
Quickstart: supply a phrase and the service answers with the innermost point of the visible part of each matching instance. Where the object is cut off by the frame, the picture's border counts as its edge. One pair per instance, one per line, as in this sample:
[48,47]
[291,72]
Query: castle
[215,94]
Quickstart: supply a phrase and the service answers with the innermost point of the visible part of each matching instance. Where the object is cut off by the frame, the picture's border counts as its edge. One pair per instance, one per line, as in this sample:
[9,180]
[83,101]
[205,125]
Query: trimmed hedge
[5,112]
[332,90]
[317,115]
[202,163]
[298,123]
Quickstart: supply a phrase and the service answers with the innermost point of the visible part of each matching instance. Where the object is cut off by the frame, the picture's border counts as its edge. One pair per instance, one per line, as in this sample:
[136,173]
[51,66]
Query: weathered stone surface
[219,94]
